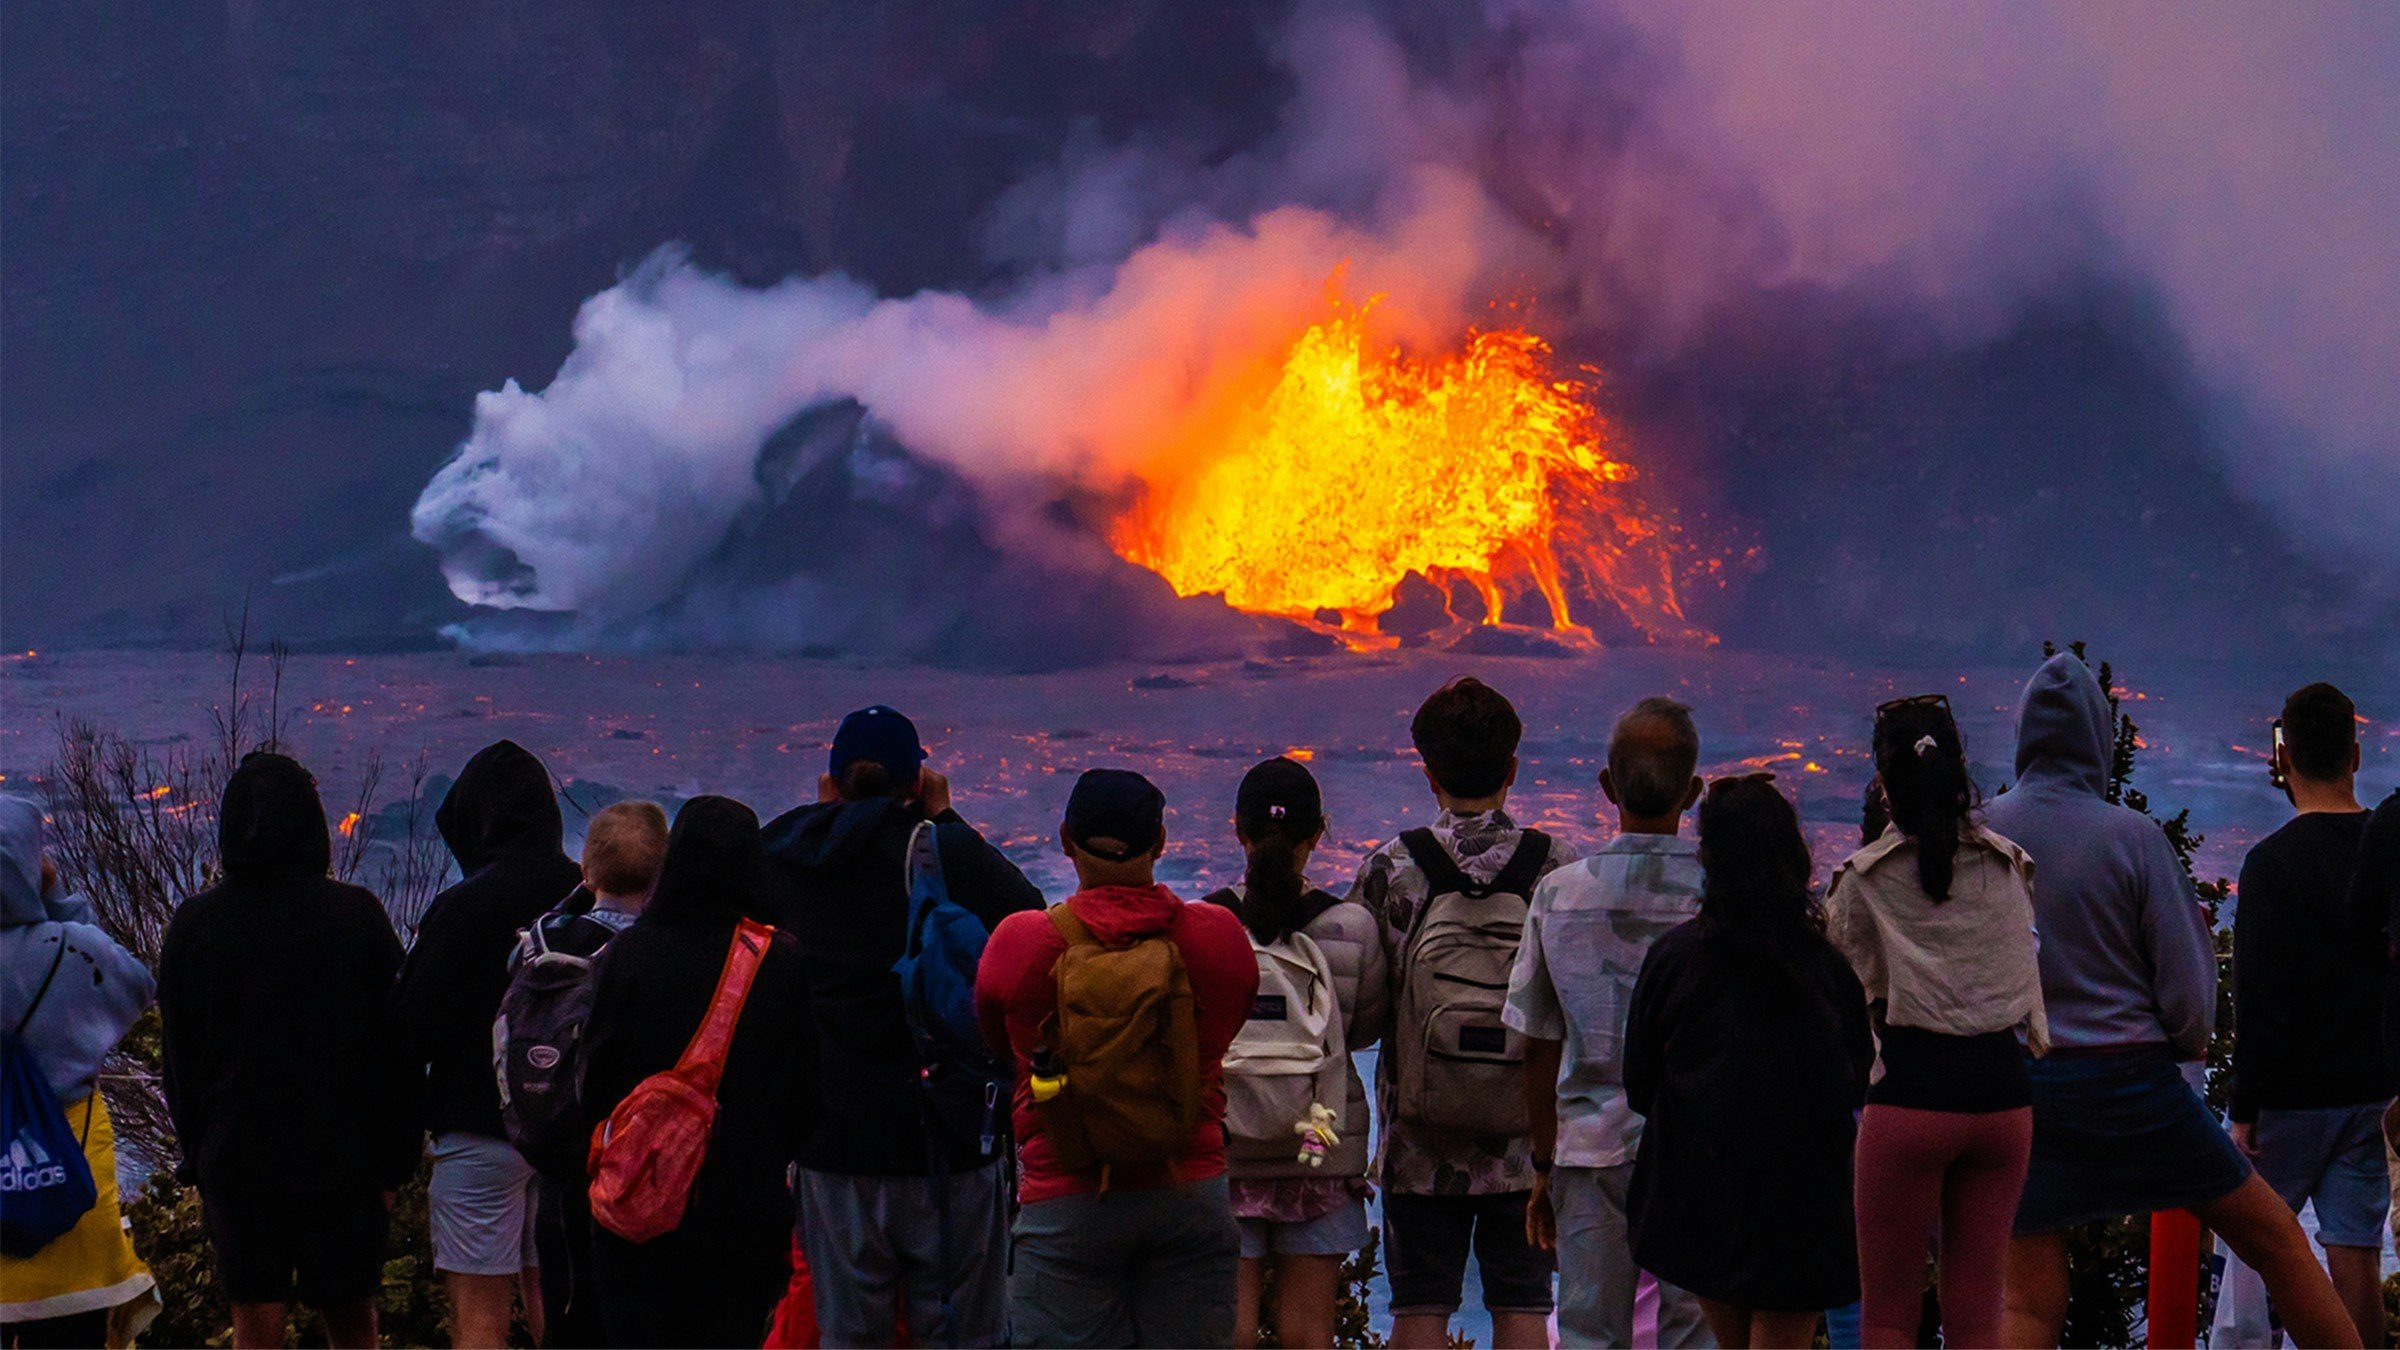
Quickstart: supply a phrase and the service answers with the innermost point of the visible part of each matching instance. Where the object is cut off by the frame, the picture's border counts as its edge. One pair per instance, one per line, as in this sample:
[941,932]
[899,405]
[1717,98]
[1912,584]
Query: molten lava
[1357,468]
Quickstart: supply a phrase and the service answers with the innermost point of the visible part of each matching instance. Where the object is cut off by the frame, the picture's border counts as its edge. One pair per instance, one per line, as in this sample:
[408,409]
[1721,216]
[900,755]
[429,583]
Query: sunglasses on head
[1721,784]
[1941,701]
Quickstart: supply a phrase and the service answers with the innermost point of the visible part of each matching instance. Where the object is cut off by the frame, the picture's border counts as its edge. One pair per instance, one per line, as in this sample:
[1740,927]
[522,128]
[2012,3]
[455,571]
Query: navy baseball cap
[1120,806]
[880,736]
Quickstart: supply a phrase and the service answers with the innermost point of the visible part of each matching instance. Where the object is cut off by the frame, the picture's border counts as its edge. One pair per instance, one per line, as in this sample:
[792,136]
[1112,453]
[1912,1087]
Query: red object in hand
[2174,1280]
[645,1159]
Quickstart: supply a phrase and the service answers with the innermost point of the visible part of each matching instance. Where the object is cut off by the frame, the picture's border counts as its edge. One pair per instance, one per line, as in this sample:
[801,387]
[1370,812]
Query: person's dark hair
[1923,766]
[1466,733]
[1277,812]
[1651,755]
[865,780]
[1754,891]
[2320,725]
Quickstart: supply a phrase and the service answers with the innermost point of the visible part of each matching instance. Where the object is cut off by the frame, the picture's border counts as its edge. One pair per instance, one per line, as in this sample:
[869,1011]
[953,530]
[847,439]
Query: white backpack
[1292,1053]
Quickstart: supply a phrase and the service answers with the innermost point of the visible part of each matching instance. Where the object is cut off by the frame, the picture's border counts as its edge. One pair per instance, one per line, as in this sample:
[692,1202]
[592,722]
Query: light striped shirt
[1591,925]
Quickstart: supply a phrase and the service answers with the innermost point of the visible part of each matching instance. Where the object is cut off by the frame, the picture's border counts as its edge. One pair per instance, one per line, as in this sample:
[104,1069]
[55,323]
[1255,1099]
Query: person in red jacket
[1151,1262]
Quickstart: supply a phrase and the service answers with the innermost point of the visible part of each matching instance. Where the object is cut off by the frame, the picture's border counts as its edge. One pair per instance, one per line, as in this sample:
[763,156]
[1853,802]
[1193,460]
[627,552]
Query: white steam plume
[1644,168]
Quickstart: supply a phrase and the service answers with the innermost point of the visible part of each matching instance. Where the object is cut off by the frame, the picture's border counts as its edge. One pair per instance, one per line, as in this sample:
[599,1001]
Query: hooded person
[837,879]
[284,1072]
[714,1279]
[502,824]
[71,993]
[2129,991]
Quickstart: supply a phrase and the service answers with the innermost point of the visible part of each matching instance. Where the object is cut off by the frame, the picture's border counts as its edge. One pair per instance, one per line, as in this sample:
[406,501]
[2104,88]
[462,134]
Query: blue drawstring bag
[45,1181]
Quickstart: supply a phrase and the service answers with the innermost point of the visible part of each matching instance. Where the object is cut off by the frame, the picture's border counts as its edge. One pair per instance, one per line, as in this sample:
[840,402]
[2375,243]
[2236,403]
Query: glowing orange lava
[1359,467]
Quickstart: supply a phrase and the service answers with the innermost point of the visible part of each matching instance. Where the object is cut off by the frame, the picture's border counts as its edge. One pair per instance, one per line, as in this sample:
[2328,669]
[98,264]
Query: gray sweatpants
[1147,1267]
[872,1241]
[1596,1274]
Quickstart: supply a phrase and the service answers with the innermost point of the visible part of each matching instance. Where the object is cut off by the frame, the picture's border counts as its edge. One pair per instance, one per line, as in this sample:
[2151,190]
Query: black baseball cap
[881,736]
[1120,806]
[1280,792]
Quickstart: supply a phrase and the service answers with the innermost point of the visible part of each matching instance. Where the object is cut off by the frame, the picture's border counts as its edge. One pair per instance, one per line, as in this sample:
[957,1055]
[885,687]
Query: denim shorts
[2333,1157]
[2119,1132]
[481,1202]
[1426,1239]
[1338,1231]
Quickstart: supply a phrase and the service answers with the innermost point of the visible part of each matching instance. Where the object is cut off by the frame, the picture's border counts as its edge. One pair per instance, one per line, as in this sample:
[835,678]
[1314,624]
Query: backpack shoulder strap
[1070,927]
[1440,869]
[44,991]
[1524,866]
[704,1056]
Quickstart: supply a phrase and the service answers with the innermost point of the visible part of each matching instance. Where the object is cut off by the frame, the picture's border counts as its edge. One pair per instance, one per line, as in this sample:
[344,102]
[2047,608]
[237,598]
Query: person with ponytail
[1300,1199]
[1936,916]
[1746,1053]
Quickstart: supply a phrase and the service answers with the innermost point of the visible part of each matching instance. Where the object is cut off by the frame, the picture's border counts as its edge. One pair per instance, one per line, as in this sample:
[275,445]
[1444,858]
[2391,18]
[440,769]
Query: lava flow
[1477,470]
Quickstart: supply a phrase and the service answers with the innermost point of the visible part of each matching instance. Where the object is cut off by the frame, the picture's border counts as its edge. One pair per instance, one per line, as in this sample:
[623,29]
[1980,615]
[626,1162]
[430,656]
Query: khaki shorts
[482,1206]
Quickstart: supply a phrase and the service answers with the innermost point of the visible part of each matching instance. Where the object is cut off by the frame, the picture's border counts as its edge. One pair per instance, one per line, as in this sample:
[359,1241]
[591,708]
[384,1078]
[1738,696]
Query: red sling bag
[646,1157]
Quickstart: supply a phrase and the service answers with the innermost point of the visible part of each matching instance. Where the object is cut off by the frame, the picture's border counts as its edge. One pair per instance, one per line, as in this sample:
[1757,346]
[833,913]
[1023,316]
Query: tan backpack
[1453,1062]
[1125,1038]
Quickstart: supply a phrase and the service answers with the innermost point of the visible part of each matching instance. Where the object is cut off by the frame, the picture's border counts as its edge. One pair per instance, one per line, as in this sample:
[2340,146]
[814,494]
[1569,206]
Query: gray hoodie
[100,989]
[2126,957]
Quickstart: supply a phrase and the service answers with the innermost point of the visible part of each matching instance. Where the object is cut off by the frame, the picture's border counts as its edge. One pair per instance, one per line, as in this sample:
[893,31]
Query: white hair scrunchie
[1926,745]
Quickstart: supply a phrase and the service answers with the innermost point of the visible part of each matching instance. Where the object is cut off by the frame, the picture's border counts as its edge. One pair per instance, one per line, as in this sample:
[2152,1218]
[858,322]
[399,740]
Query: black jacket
[2307,994]
[836,880]
[713,1280]
[1748,1076]
[2375,912]
[284,1070]
[502,824]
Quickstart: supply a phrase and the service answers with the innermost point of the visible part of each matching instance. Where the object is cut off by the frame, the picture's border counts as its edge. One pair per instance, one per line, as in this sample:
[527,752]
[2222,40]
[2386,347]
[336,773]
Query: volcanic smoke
[1163,369]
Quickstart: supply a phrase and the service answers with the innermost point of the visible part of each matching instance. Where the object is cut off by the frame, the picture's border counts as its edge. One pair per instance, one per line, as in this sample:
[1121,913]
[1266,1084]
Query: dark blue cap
[881,736]
[1120,806]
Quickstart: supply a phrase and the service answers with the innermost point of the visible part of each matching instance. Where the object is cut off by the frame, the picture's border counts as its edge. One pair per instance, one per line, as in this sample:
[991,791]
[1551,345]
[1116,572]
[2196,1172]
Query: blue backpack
[962,1081]
[46,1183]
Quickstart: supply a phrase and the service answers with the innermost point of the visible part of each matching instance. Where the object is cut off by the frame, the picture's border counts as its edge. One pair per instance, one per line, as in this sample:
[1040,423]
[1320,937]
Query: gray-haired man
[1592,922]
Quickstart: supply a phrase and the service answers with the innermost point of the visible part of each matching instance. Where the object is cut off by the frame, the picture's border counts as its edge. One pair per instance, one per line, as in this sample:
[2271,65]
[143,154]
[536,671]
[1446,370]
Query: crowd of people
[846,1078]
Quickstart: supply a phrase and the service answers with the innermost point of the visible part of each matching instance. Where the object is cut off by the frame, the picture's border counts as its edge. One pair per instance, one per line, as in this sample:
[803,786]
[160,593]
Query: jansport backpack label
[646,1157]
[46,1184]
[1125,1040]
[1455,1064]
[1291,1054]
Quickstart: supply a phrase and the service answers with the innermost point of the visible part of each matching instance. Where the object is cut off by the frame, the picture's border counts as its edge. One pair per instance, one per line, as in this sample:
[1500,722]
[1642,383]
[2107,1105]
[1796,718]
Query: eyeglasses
[1941,701]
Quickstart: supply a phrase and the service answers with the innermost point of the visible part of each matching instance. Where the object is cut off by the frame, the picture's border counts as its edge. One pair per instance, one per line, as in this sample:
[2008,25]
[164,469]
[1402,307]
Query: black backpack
[537,1040]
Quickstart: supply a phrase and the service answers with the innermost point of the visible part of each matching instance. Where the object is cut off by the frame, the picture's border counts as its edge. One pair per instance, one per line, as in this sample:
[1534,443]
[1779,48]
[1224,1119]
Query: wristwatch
[1541,1166]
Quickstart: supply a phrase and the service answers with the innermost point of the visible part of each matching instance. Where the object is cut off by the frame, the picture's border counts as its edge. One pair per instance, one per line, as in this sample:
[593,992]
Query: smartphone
[2275,759]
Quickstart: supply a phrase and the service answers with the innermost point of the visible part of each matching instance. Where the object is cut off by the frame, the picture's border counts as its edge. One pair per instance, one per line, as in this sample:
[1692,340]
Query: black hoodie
[502,824]
[836,880]
[716,1277]
[283,1068]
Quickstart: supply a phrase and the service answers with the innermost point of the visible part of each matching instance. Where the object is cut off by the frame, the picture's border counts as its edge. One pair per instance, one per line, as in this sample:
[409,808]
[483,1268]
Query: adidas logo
[26,1166]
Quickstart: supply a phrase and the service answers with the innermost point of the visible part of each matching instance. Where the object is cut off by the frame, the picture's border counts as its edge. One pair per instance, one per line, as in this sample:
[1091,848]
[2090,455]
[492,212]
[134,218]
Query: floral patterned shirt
[1415,1159]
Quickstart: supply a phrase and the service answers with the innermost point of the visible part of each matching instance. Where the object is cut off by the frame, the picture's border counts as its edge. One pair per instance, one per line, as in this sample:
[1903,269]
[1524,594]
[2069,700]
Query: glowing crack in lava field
[1478,469]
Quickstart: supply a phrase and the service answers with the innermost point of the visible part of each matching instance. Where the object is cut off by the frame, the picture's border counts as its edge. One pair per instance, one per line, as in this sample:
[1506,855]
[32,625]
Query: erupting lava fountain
[1479,470]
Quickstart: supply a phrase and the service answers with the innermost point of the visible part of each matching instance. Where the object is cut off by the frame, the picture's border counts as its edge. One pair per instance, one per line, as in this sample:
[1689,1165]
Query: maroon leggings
[1923,1170]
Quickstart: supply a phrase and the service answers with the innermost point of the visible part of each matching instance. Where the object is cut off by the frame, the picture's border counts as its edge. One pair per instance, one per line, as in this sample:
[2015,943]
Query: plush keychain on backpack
[1316,1134]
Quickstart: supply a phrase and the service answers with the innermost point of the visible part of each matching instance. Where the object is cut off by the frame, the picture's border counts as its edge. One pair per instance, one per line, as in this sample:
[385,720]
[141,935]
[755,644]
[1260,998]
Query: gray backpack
[1455,1064]
[537,1040]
